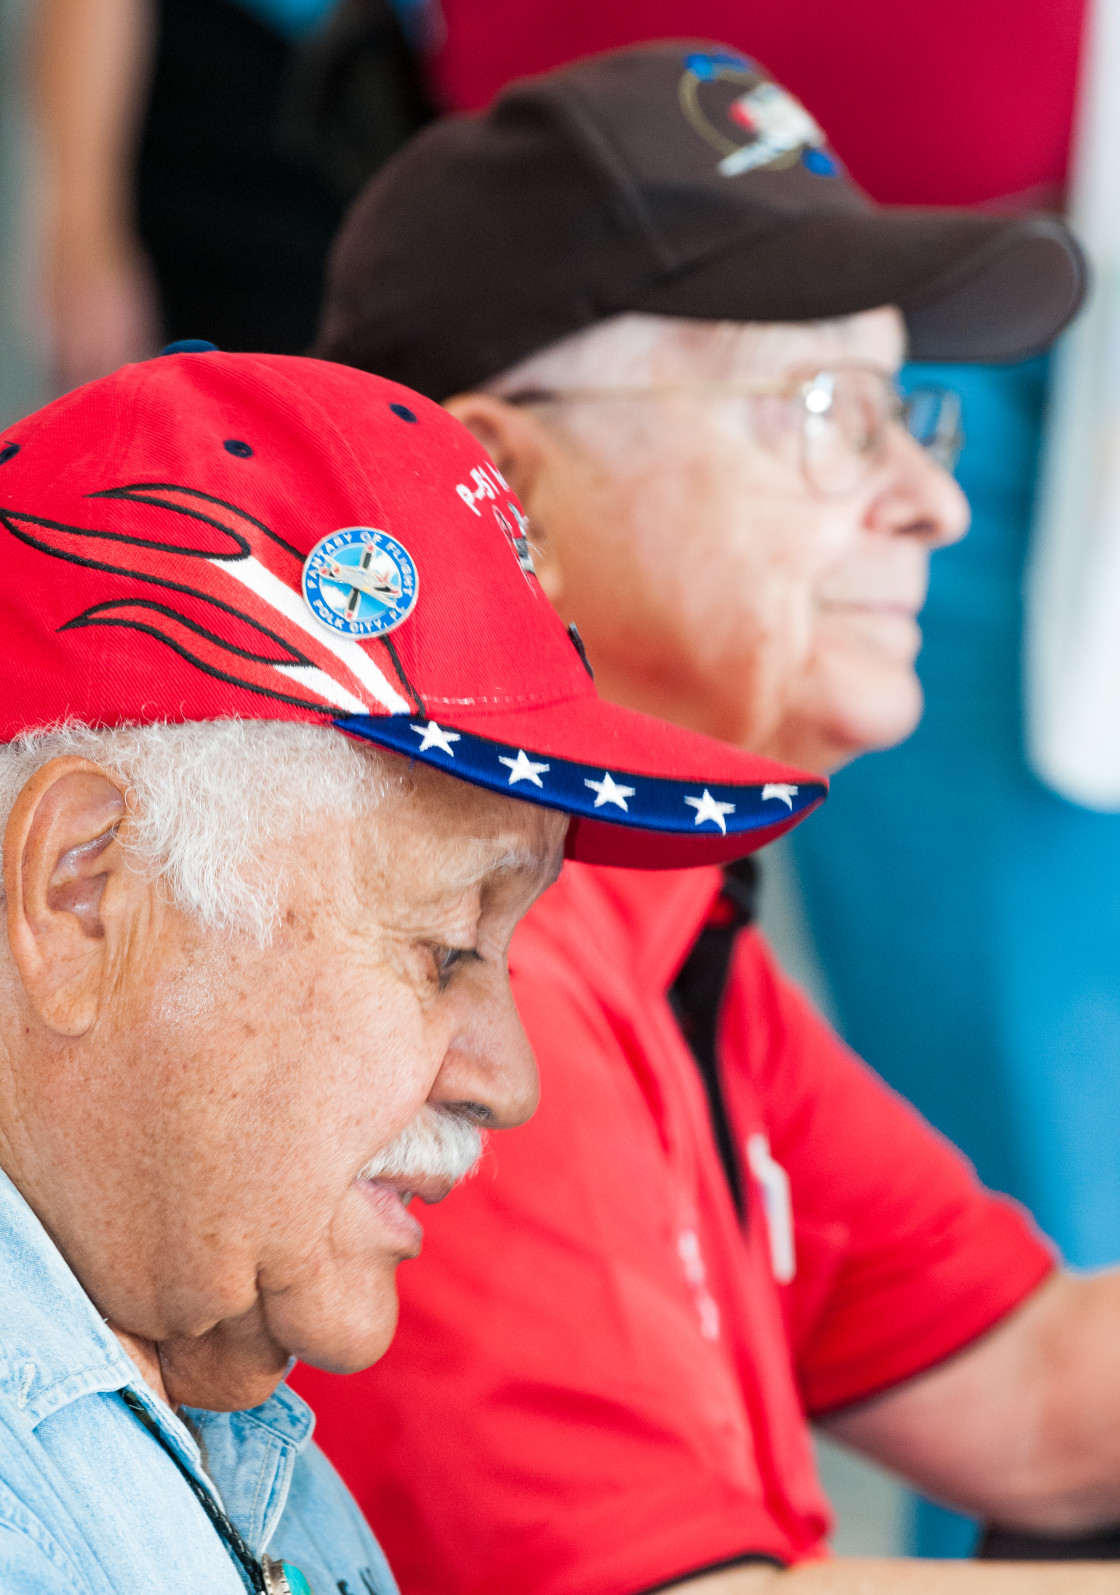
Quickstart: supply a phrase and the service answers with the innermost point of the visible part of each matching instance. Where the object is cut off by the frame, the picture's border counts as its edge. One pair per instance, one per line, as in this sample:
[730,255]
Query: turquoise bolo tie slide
[281,1578]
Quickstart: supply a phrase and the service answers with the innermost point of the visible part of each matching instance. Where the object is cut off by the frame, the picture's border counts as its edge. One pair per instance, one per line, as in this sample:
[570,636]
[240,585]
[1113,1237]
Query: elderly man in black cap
[647,286]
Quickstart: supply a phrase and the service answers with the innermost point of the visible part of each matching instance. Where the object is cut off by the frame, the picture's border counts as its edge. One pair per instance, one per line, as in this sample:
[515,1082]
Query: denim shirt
[91,1504]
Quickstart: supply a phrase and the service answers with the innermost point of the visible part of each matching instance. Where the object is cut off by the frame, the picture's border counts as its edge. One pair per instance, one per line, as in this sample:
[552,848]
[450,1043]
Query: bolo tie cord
[247,1564]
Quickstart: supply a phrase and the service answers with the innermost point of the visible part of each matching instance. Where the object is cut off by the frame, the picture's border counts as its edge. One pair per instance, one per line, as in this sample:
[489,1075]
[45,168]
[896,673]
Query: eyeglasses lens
[933,419]
[846,416]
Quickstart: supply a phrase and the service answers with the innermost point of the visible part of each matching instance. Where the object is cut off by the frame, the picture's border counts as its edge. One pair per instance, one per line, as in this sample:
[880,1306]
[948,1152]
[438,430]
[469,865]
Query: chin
[880,723]
[348,1334]
[853,711]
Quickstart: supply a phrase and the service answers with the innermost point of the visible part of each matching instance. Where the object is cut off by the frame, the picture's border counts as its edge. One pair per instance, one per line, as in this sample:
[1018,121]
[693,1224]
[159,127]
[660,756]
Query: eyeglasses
[844,416]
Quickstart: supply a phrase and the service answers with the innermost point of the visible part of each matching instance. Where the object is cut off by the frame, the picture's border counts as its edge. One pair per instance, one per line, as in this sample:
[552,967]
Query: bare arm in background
[1022,1428]
[857,1576]
[89,65]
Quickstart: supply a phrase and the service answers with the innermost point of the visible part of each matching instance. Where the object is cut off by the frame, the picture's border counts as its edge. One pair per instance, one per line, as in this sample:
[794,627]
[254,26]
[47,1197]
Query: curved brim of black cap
[973,287]
[641,794]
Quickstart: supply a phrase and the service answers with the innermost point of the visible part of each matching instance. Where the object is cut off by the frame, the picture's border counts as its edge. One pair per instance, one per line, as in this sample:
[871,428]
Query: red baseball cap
[209,536]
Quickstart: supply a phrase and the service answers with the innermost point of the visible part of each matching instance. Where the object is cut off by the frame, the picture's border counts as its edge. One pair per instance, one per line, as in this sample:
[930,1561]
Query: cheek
[351,1064]
[748,601]
[759,642]
[606,564]
[328,1266]
[707,557]
[339,1309]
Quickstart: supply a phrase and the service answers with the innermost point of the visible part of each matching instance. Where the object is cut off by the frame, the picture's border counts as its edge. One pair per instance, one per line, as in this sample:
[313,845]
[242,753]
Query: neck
[145,1354]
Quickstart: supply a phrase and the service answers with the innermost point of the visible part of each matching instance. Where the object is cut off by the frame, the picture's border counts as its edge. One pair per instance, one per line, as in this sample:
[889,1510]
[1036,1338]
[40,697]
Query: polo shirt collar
[659,914]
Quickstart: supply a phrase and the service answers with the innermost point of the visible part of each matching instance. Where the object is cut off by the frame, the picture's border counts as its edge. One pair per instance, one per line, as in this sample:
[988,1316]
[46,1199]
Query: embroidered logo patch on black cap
[751,121]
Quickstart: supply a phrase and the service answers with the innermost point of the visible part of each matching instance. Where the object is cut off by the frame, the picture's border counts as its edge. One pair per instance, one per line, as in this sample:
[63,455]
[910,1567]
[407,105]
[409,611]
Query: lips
[390,1196]
[430,1188]
[879,624]
[390,1207]
[905,607]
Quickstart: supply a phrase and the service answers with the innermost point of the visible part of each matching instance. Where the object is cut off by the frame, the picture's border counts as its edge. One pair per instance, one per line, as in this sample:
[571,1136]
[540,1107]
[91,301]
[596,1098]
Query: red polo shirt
[601,1376]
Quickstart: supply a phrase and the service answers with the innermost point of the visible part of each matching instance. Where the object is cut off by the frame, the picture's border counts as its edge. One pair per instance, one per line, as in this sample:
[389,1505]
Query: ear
[528,455]
[64,874]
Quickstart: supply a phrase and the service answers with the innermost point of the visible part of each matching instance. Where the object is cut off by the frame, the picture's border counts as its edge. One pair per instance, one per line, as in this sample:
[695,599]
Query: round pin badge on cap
[360,581]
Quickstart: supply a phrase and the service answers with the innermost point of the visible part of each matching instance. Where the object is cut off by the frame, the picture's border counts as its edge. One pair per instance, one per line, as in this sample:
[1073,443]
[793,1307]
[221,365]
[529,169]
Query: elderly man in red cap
[289,741]
[646,284]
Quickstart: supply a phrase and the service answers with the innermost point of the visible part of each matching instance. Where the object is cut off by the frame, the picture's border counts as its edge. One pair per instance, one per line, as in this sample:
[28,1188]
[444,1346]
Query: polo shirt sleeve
[902,1256]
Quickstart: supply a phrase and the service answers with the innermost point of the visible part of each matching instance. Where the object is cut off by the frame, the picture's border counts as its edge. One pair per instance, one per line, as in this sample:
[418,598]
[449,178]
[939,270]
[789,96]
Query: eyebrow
[530,861]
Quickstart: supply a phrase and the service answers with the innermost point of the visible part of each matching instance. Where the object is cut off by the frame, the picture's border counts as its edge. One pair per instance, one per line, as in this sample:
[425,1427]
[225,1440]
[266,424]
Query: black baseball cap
[675,178]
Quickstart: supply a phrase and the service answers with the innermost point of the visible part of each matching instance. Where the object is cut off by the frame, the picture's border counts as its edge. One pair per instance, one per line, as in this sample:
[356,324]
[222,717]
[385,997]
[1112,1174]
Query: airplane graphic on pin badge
[360,581]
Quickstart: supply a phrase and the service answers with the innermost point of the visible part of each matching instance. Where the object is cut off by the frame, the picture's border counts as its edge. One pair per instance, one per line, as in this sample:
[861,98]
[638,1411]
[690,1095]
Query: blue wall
[968,920]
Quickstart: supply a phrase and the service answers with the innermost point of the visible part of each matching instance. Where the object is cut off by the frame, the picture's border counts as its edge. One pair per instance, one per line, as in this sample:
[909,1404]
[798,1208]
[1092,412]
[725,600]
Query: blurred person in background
[975,968]
[646,285]
[197,158]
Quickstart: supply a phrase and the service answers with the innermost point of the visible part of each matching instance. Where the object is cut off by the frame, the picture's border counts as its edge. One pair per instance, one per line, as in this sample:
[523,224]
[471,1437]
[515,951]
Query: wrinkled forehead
[635,349]
[727,350]
[530,845]
[447,835]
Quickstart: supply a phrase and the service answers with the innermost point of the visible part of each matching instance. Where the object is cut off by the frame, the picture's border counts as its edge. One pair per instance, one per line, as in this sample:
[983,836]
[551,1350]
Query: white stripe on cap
[316,680]
[260,580]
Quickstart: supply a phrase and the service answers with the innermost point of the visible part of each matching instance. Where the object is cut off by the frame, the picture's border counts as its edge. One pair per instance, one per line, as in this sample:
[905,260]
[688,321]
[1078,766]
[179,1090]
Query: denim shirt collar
[56,1348]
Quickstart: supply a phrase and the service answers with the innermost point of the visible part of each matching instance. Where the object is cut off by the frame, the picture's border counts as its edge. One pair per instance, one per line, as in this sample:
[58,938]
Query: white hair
[206,797]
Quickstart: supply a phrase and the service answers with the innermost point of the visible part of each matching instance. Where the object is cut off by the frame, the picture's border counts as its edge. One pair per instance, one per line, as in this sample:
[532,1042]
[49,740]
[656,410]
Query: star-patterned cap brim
[641,793]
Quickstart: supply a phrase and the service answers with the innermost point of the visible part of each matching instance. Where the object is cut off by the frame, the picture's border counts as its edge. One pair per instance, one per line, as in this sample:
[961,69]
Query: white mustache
[438,1144]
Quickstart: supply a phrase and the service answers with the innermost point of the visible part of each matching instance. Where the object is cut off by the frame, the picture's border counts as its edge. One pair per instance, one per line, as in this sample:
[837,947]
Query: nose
[489,1069]
[917,497]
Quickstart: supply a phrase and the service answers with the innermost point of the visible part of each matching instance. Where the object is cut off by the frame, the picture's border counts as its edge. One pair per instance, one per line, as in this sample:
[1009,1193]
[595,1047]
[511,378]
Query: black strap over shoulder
[697,999]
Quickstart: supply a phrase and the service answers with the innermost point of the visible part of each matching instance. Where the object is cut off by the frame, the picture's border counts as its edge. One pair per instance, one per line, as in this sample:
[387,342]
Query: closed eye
[447,960]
